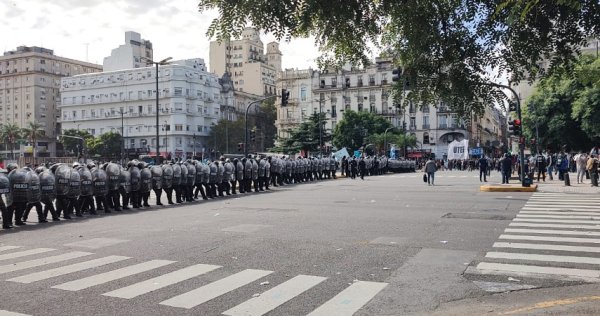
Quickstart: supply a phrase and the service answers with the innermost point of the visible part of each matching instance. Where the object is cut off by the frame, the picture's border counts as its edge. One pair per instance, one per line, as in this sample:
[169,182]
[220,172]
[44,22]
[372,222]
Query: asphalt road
[334,243]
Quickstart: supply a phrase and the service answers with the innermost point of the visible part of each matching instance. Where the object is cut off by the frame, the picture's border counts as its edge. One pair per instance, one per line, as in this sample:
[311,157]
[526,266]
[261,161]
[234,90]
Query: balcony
[425,126]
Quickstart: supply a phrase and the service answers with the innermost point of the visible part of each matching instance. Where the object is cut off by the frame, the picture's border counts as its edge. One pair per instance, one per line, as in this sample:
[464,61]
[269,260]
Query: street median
[517,187]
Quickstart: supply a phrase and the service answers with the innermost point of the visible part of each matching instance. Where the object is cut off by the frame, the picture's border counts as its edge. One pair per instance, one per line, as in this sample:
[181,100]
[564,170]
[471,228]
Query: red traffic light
[517,122]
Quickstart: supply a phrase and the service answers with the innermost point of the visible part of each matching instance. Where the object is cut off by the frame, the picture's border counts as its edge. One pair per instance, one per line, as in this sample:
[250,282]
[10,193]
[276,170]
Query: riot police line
[67,190]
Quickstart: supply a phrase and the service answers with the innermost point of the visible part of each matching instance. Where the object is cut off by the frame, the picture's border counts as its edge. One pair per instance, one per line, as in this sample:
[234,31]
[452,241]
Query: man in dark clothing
[483,166]
[540,164]
[353,168]
[362,167]
[506,166]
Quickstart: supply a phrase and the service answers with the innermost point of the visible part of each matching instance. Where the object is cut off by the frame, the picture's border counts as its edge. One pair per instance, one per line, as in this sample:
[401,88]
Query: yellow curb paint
[550,304]
[500,188]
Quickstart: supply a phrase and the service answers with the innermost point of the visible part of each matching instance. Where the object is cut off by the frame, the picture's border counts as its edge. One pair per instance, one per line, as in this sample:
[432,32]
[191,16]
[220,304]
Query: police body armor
[184,174]
[176,174]
[212,176]
[125,180]
[74,184]
[248,169]
[254,170]
[191,174]
[167,176]
[5,184]
[229,170]
[261,168]
[220,172]
[34,187]
[112,172]
[87,184]
[205,173]
[62,174]
[267,169]
[145,180]
[134,173]
[99,181]
[199,176]
[157,177]
[239,171]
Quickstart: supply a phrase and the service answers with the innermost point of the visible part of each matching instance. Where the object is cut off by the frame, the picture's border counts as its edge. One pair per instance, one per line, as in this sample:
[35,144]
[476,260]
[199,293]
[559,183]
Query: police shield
[125,181]
[62,175]
[198,172]
[135,178]
[4,184]
[100,181]
[157,177]
[184,174]
[34,187]
[145,180]
[176,174]
[48,185]
[20,182]
[167,176]
[74,184]
[87,185]
[112,172]
[191,175]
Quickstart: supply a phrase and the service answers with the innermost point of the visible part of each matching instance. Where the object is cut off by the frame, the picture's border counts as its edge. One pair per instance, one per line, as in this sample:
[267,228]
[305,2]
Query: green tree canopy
[10,132]
[586,106]
[354,129]
[106,145]
[306,137]
[74,145]
[224,129]
[447,48]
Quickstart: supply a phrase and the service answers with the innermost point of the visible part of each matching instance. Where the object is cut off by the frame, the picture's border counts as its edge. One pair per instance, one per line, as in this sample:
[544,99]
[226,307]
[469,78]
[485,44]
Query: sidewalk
[556,186]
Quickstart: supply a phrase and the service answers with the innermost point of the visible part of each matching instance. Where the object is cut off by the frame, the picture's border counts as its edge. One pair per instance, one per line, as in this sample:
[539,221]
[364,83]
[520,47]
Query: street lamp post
[162,62]
[166,139]
[246,121]
[122,112]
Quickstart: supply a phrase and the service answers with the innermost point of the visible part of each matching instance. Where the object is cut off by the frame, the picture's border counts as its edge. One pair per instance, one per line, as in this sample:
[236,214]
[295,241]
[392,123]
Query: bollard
[567,180]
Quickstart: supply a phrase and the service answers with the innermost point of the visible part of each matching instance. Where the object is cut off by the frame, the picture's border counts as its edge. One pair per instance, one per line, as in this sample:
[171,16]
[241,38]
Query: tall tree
[355,128]
[445,47]
[224,129]
[107,145]
[586,106]
[307,137]
[10,132]
[75,145]
[33,132]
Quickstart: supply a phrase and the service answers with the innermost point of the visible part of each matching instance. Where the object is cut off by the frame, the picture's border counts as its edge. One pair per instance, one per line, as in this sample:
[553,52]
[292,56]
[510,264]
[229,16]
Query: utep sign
[458,150]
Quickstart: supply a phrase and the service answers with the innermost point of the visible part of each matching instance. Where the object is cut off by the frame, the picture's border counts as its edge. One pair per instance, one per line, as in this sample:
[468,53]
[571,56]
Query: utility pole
[246,121]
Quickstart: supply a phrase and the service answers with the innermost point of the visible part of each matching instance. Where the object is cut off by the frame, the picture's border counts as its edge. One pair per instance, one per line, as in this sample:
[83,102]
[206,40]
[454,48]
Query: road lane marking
[276,296]
[215,289]
[551,238]
[521,268]
[551,304]
[7,313]
[554,225]
[557,208]
[106,277]
[43,275]
[544,258]
[43,261]
[566,221]
[551,231]
[568,216]
[4,248]
[545,247]
[161,281]
[24,253]
[560,213]
[350,300]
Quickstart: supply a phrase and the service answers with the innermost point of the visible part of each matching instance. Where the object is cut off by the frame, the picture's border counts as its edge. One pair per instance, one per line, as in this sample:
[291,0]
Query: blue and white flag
[393,152]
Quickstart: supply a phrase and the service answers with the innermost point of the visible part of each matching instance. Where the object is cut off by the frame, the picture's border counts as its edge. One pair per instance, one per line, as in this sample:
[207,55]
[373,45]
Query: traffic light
[512,106]
[253,135]
[396,74]
[240,146]
[517,127]
[285,97]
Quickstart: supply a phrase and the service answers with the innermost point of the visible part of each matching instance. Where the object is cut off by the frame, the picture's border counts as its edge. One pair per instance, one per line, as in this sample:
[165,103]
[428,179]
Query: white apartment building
[252,70]
[30,80]
[129,55]
[368,89]
[189,103]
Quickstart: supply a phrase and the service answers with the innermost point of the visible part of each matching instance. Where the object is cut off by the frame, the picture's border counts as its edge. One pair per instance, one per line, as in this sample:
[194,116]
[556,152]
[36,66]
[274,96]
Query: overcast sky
[175,28]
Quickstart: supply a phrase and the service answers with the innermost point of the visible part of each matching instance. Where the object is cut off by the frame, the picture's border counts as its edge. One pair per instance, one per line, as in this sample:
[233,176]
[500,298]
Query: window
[334,82]
[371,80]
[333,111]
[178,91]
[179,141]
[425,138]
[187,128]
[178,106]
[413,123]
[178,127]
[132,143]
[426,109]
[443,121]
[425,122]
[303,93]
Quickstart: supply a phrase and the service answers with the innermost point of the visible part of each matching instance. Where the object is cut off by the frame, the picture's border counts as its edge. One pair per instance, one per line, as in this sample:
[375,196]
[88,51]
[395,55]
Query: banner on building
[458,150]
[393,152]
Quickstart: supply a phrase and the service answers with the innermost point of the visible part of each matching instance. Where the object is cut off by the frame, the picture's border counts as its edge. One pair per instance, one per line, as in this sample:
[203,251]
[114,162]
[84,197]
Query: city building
[30,79]
[124,101]
[252,69]
[133,54]
[369,89]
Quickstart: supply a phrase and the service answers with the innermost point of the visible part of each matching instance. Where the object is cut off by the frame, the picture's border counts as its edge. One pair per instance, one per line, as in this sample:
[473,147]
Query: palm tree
[32,132]
[10,132]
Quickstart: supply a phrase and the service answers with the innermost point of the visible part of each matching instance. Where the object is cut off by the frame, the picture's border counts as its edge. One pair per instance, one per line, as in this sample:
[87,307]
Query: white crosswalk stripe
[4,248]
[344,303]
[276,296]
[555,236]
[7,313]
[112,275]
[19,254]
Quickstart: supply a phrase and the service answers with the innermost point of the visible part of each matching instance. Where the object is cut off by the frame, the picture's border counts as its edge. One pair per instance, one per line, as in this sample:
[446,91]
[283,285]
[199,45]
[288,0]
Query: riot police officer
[176,182]
[100,186]
[167,184]
[135,177]
[74,192]
[86,199]
[145,184]
[199,180]
[34,201]
[254,174]
[212,180]
[62,174]
[238,177]
[247,174]
[5,192]
[220,176]
[227,176]
[125,186]
[21,193]
[113,172]
[261,174]
[183,184]
[157,182]
[190,181]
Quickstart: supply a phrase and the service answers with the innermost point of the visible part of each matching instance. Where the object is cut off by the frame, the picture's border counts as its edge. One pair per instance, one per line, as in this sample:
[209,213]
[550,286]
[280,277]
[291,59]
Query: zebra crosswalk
[554,236]
[47,264]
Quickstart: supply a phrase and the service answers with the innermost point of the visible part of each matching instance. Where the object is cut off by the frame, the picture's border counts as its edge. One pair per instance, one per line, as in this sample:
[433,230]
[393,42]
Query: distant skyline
[88,30]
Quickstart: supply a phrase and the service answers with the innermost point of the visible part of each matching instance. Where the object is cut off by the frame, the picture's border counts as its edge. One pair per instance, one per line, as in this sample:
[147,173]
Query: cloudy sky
[175,28]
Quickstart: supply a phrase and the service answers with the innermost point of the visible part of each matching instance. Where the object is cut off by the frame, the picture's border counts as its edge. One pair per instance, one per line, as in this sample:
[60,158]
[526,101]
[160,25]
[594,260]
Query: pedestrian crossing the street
[554,236]
[25,266]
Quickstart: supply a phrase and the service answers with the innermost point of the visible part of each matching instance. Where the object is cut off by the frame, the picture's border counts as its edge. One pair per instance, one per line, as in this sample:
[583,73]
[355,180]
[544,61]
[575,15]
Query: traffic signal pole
[246,121]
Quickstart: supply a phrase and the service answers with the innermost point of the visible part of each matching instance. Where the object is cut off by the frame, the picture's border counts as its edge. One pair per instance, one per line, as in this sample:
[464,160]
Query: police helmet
[11,166]
[39,170]
[91,165]
[76,165]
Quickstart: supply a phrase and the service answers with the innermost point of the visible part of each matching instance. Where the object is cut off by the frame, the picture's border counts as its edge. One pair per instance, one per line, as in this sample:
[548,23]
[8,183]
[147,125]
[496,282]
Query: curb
[504,188]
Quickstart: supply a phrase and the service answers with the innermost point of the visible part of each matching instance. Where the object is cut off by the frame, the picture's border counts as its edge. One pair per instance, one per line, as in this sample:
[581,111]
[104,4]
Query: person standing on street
[430,169]
[540,164]
[362,167]
[580,161]
[506,168]
[592,167]
[483,166]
